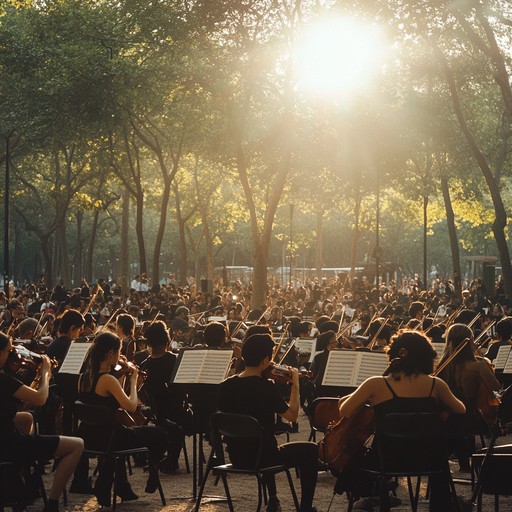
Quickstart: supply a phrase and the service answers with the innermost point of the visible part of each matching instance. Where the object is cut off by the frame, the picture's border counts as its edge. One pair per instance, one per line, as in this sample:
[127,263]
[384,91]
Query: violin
[21,357]
[283,374]
[124,367]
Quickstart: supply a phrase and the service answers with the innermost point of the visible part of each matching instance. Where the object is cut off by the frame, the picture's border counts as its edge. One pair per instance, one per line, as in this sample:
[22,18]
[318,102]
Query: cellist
[408,387]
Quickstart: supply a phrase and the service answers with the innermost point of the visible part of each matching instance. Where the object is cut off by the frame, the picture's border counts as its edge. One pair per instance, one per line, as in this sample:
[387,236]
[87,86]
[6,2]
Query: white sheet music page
[340,367]
[190,366]
[215,366]
[439,348]
[75,358]
[305,345]
[371,365]
[503,360]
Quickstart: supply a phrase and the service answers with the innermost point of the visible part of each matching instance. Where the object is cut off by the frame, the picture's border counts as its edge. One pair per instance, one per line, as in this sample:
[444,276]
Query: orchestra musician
[464,375]
[504,333]
[125,329]
[70,328]
[167,404]
[252,394]
[17,442]
[408,387]
[97,386]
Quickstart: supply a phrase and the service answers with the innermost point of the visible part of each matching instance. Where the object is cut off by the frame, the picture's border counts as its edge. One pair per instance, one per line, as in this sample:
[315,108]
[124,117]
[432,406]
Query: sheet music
[190,366]
[75,358]
[305,345]
[350,368]
[340,367]
[215,366]
[503,360]
[370,365]
[203,366]
[439,348]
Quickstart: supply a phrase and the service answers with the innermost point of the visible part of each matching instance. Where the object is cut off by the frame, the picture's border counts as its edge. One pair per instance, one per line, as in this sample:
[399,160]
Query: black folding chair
[409,445]
[99,416]
[239,426]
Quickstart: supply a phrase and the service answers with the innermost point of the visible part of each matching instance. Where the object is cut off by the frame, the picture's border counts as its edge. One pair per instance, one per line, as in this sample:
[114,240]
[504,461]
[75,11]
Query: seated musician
[251,393]
[97,386]
[70,328]
[167,404]
[325,342]
[464,375]
[125,329]
[17,443]
[504,332]
[408,388]
[380,333]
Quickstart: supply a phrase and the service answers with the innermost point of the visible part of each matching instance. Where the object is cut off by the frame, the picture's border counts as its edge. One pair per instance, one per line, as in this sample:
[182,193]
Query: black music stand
[199,371]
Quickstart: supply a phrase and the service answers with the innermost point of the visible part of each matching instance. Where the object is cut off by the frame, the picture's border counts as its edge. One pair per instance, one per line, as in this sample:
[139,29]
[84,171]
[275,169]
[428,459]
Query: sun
[339,56]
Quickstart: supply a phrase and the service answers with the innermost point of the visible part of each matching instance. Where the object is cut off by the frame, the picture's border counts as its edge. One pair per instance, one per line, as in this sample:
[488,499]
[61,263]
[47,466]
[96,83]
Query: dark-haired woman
[407,388]
[465,375]
[97,386]
[125,329]
[17,444]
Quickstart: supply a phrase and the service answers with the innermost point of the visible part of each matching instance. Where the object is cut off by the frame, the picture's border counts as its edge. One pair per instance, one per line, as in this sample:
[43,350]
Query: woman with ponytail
[99,387]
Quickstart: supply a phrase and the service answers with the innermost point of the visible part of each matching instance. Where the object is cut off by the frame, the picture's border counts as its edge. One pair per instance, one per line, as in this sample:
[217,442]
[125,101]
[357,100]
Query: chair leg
[260,492]
[292,490]
[226,490]
[185,455]
[496,503]
[201,488]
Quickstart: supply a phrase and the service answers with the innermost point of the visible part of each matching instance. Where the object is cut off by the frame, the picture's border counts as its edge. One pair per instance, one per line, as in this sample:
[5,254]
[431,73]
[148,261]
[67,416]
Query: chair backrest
[94,415]
[235,426]
[324,410]
[411,442]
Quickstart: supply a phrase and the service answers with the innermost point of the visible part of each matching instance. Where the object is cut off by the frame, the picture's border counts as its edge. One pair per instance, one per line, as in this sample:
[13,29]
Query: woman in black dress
[408,387]
[17,443]
[97,386]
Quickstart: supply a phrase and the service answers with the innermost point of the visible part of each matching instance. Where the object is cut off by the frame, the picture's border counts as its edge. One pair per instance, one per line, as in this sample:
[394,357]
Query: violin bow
[470,325]
[451,357]
[277,348]
[93,298]
[374,339]
[482,334]
[288,349]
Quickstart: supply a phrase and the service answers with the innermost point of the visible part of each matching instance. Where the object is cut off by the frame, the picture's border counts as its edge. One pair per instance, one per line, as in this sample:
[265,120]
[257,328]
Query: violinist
[167,404]
[70,328]
[407,388]
[325,342]
[12,316]
[504,332]
[464,375]
[125,329]
[250,393]
[97,386]
[17,443]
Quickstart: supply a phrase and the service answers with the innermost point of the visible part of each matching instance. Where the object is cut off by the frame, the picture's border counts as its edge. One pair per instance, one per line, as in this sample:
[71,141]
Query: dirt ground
[178,491]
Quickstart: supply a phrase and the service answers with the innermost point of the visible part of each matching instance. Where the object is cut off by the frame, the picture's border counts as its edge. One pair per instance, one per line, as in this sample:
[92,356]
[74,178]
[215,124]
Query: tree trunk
[124,278]
[47,263]
[319,249]
[500,220]
[139,229]
[452,234]
[89,266]
[259,279]
[356,234]
[161,231]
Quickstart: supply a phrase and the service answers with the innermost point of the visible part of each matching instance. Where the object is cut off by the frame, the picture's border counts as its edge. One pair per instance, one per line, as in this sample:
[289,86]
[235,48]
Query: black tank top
[91,397]
[399,404]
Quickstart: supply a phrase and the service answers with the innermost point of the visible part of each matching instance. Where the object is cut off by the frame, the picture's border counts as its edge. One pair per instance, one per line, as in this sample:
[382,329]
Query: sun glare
[338,57]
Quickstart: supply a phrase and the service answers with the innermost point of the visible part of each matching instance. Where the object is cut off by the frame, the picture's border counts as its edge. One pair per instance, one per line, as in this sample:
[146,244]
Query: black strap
[390,388]
[432,388]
